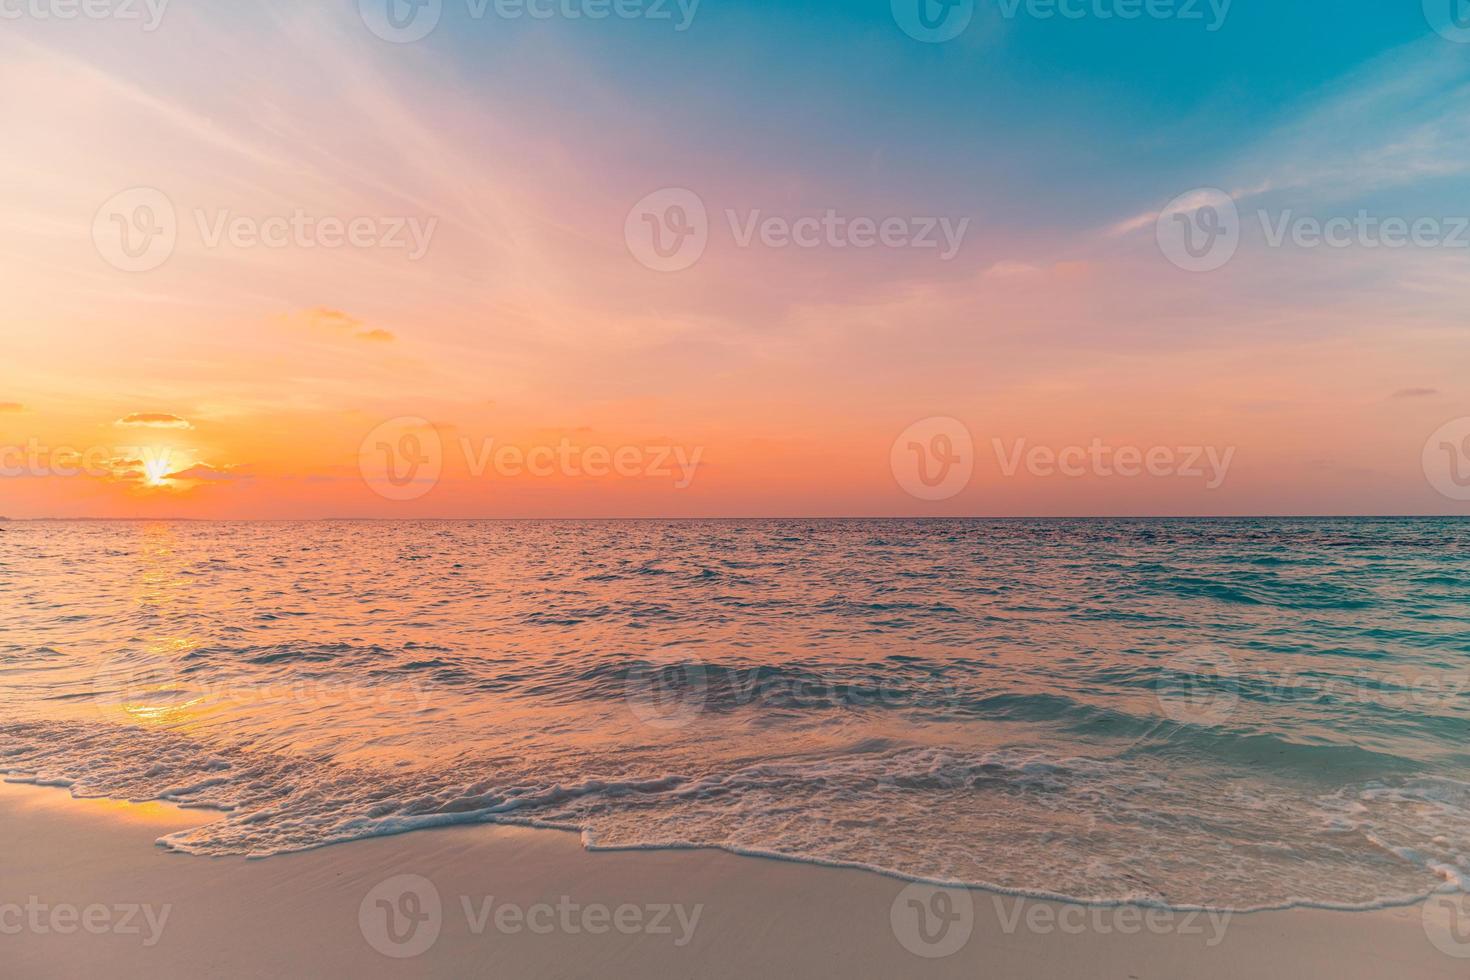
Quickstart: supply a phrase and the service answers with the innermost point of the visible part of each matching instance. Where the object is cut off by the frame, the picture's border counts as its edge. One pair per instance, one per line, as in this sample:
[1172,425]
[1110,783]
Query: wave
[1232,713]
[919,813]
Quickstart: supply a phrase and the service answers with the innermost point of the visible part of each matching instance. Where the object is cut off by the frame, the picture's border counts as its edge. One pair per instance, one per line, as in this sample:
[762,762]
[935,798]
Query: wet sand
[84,890]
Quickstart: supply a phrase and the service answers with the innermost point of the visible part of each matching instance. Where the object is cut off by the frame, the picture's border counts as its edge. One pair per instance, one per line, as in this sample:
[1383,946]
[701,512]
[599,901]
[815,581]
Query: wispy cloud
[154,420]
[1398,121]
[322,316]
[1184,205]
[346,323]
[1010,270]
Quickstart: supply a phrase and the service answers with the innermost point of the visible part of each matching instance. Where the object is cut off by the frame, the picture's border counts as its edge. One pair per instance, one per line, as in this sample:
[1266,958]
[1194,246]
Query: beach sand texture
[95,896]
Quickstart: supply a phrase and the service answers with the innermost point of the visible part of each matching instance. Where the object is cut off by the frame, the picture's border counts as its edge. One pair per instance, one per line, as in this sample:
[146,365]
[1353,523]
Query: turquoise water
[1235,713]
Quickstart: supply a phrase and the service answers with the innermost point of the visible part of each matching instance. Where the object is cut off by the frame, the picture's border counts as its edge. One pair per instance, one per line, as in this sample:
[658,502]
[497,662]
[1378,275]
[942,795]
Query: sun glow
[156,469]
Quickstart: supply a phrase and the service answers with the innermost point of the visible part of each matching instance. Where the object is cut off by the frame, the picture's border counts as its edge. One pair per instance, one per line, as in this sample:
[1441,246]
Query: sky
[653,258]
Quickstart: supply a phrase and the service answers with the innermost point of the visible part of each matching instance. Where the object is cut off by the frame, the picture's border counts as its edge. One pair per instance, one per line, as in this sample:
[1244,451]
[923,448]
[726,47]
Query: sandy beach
[86,890]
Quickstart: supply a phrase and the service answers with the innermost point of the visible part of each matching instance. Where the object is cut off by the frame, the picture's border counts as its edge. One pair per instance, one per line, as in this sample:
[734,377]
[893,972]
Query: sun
[155,469]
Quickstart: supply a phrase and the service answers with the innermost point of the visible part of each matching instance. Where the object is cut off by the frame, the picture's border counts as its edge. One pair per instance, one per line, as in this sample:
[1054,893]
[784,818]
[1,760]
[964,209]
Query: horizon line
[809,517]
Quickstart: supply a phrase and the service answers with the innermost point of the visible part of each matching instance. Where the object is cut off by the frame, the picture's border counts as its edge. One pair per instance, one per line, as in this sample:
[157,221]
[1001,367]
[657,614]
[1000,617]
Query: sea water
[1221,713]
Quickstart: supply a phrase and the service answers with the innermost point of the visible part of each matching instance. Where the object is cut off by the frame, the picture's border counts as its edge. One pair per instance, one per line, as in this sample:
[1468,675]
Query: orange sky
[242,380]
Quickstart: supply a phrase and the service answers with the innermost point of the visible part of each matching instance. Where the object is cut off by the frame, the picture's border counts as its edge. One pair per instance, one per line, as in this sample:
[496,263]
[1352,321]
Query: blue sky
[1043,120]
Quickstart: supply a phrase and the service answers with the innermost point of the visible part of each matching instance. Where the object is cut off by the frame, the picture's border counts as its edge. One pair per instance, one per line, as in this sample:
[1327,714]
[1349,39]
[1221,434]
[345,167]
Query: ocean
[1231,714]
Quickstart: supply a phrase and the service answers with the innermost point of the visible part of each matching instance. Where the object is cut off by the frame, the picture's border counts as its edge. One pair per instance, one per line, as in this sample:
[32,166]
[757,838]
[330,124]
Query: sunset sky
[495,291]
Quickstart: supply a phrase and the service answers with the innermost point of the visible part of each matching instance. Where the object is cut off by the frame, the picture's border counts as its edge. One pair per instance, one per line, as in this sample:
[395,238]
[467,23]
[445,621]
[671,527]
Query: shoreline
[527,902]
[446,821]
[1000,891]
